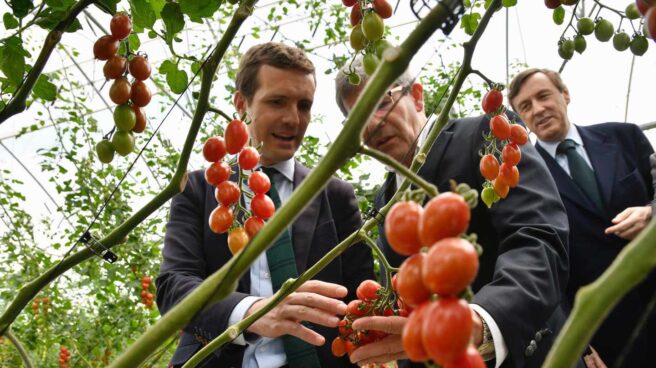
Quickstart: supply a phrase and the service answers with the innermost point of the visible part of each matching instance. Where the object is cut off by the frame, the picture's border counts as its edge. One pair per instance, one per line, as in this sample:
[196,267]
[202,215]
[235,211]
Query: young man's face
[543,108]
[398,134]
[279,112]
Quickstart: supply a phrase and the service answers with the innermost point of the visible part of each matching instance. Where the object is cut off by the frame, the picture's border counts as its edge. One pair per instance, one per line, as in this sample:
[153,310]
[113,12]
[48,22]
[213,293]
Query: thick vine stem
[17,104]
[21,351]
[429,188]
[487,80]
[593,302]
[216,110]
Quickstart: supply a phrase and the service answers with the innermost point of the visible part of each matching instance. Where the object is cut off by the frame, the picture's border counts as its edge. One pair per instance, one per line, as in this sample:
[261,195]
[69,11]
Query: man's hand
[385,350]
[313,302]
[593,360]
[630,222]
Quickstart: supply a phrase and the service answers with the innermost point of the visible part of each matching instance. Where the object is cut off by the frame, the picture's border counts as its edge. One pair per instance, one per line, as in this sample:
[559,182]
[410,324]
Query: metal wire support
[455,7]
[98,248]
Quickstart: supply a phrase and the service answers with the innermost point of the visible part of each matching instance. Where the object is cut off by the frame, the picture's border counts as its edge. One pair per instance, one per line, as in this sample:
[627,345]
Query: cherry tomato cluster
[41,303]
[228,193]
[129,116]
[646,8]
[502,175]
[146,295]
[367,32]
[64,357]
[429,282]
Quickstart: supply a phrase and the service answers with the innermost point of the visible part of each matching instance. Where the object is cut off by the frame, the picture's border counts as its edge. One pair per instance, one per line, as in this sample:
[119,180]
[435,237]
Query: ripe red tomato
[511,154]
[140,94]
[509,175]
[119,92]
[394,278]
[221,219]
[114,67]
[444,216]
[248,158]
[105,47]
[650,19]
[140,67]
[349,3]
[214,149]
[227,193]
[236,136]
[500,126]
[552,4]
[643,7]
[338,348]
[450,266]
[518,134]
[217,173]
[470,359]
[349,347]
[259,182]
[253,225]
[489,166]
[412,332]
[492,101]
[358,308]
[501,188]
[140,124]
[368,290]
[356,15]
[409,282]
[344,327]
[383,8]
[120,25]
[447,329]
[402,226]
[146,279]
[262,206]
[237,240]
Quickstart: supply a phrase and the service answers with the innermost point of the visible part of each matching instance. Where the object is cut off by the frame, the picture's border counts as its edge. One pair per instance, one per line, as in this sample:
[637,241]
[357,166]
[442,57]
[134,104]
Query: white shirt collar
[572,134]
[286,168]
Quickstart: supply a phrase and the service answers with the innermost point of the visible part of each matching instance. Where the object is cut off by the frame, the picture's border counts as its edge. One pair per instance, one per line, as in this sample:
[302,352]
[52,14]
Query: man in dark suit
[603,175]
[275,87]
[524,266]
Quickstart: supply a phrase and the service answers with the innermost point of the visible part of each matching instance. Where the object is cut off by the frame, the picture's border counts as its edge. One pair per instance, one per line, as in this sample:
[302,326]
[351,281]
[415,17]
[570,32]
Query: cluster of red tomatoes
[367,32]
[429,283]
[228,192]
[146,295]
[500,177]
[64,357]
[36,306]
[647,9]
[129,116]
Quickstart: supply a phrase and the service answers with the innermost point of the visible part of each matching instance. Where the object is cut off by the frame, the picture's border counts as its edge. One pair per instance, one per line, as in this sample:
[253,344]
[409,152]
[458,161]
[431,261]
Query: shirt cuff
[238,314]
[500,348]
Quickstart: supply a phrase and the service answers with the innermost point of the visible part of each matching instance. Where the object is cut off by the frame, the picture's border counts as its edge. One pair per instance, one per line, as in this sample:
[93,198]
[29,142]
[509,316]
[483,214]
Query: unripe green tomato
[123,142]
[604,30]
[124,118]
[105,151]
[580,44]
[370,63]
[585,26]
[566,52]
[632,11]
[358,41]
[568,46]
[373,26]
[354,79]
[508,3]
[621,41]
[639,45]
[381,45]
[487,195]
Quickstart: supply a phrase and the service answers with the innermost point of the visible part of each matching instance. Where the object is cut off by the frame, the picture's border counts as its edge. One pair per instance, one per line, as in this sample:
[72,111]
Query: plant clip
[455,7]
[98,248]
[372,213]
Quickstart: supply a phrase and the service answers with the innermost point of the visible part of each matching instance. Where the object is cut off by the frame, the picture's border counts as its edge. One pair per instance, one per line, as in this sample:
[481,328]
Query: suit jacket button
[530,349]
[538,336]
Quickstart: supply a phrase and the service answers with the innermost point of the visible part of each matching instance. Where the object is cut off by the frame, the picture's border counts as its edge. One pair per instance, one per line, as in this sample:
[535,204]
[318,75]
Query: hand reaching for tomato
[315,301]
[386,349]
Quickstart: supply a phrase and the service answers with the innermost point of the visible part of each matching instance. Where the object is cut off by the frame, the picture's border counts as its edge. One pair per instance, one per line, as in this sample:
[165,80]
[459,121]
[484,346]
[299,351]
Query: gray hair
[344,89]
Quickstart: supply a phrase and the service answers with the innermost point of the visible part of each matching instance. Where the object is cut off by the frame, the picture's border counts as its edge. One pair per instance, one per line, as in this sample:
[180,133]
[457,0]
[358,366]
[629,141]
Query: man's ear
[566,95]
[417,93]
[239,101]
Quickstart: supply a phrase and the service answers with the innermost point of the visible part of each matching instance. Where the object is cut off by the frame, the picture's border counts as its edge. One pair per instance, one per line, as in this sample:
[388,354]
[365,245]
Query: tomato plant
[509,175]
[217,173]
[470,359]
[372,26]
[409,281]
[140,67]
[236,136]
[105,47]
[500,126]
[140,94]
[227,193]
[447,329]
[262,206]
[368,290]
[248,158]
[259,182]
[518,134]
[221,219]
[124,118]
[123,142]
[237,239]
[446,215]
[492,101]
[402,227]
[450,266]
[119,92]
[489,167]
[114,67]
[338,347]
[120,26]
[253,225]
[214,149]
[140,123]
[411,337]
[501,188]
[511,154]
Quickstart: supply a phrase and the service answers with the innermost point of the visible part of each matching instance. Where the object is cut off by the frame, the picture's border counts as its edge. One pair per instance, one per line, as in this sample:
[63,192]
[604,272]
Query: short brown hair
[520,79]
[275,54]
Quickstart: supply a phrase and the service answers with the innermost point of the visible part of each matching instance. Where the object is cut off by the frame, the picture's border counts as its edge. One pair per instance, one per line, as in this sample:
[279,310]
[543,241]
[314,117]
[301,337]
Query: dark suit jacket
[619,153]
[524,267]
[192,252]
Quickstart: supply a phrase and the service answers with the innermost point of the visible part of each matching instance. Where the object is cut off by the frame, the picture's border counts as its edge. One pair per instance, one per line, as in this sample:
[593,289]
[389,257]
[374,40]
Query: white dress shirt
[561,158]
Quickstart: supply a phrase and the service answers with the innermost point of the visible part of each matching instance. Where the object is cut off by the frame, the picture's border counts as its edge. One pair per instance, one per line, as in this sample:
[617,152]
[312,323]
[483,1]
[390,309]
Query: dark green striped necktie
[282,266]
[581,172]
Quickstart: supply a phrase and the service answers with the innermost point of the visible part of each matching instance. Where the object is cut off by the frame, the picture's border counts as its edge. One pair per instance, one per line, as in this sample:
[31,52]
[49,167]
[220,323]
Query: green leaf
[173,20]
[469,22]
[59,4]
[143,15]
[177,80]
[9,21]
[508,3]
[108,6]
[157,5]
[134,41]
[51,18]
[559,15]
[167,66]
[12,60]
[197,10]
[21,8]
[44,89]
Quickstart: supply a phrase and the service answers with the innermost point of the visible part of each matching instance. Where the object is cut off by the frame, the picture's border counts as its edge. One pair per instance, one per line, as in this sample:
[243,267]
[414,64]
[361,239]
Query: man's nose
[291,115]
[370,129]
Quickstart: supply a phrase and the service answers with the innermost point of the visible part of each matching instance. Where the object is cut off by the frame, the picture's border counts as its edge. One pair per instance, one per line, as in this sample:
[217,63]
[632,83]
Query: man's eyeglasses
[388,100]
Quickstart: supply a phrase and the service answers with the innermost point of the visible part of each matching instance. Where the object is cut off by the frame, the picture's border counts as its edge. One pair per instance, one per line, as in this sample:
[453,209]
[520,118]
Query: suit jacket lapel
[304,226]
[435,154]
[601,150]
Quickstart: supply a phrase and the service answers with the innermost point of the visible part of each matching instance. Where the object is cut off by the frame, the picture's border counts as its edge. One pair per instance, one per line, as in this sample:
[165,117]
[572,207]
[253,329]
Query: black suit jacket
[524,267]
[192,252]
[619,153]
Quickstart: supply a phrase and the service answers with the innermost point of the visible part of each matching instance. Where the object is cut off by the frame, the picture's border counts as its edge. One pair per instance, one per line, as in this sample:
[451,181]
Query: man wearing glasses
[524,267]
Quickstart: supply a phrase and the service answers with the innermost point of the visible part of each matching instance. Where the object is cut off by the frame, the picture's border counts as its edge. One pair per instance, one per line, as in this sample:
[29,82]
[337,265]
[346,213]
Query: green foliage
[173,21]
[469,22]
[9,21]
[197,10]
[21,8]
[12,60]
[559,15]
[45,89]
[176,79]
